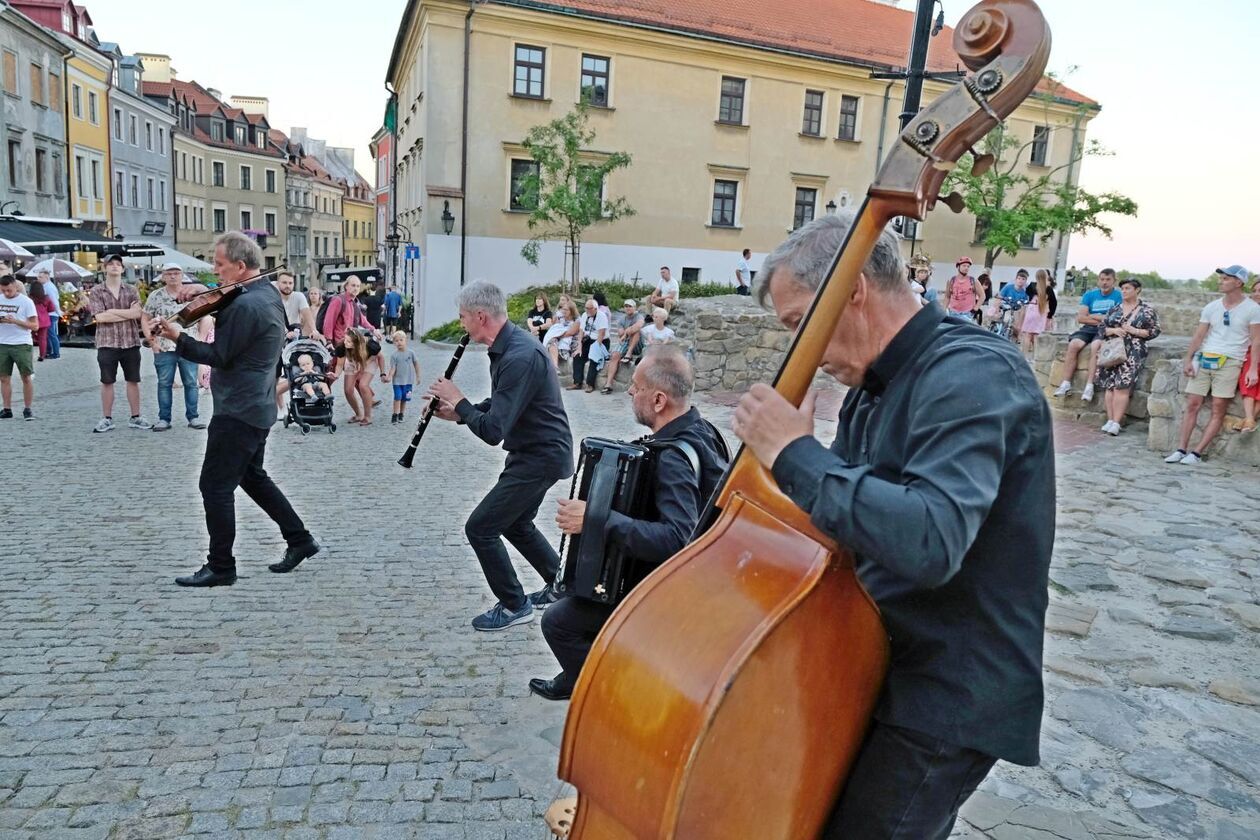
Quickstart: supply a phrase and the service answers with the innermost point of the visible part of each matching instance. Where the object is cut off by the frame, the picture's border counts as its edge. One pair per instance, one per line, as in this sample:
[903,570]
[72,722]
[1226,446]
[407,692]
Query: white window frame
[245,167]
[118,124]
[120,188]
[148,135]
[94,108]
[215,207]
[246,208]
[76,100]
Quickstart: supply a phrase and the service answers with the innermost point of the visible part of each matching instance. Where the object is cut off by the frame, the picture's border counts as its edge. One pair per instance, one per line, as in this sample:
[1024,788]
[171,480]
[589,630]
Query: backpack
[319,316]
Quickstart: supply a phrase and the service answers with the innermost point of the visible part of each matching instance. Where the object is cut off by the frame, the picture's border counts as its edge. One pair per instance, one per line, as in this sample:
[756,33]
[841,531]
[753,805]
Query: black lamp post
[448,219]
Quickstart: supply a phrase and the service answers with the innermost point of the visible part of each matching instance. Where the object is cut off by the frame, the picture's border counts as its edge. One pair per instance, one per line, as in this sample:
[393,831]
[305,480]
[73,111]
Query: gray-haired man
[524,412]
[941,482]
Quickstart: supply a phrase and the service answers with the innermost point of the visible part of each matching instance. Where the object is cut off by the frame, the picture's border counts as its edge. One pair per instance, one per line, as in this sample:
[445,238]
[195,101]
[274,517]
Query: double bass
[729,694]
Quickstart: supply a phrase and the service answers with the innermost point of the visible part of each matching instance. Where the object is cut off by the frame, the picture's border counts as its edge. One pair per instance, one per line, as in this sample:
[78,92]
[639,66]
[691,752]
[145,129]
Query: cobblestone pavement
[350,699]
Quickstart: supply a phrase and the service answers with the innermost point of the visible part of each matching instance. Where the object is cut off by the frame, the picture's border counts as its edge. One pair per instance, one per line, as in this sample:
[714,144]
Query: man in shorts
[629,323]
[1214,361]
[1095,305]
[115,307]
[18,323]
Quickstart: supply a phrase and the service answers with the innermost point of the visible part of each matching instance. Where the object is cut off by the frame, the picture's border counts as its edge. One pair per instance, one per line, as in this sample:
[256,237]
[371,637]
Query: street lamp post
[392,241]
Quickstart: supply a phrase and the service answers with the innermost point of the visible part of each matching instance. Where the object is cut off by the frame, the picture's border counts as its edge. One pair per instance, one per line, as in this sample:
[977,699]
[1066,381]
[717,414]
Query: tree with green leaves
[565,195]
[1013,205]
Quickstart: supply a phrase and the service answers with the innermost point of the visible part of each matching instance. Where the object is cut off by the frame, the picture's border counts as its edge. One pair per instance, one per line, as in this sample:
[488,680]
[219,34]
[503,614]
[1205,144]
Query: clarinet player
[660,394]
[524,413]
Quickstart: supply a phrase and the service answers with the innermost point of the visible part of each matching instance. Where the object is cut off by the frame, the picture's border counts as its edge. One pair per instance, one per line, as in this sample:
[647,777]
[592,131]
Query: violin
[210,302]
[729,694]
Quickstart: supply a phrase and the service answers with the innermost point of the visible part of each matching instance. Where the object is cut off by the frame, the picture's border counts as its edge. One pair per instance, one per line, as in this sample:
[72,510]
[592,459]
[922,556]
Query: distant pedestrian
[963,292]
[1069,281]
[116,308]
[44,309]
[353,360]
[1039,312]
[404,372]
[163,303]
[1250,393]
[373,301]
[1137,322]
[1213,363]
[743,273]
[18,323]
[54,328]
[393,309]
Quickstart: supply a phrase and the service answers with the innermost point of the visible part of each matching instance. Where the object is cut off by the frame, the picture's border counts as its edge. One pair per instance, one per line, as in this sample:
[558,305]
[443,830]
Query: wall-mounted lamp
[448,218]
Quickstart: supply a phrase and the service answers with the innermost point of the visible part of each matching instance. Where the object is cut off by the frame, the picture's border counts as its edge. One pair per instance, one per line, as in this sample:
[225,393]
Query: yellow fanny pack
[1212,361]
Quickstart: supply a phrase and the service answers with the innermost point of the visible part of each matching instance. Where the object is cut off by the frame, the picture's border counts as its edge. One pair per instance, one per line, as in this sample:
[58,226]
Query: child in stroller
[306,364]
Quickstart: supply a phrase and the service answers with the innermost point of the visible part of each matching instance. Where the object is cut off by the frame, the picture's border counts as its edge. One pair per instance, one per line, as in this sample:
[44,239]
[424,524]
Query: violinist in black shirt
[660,394]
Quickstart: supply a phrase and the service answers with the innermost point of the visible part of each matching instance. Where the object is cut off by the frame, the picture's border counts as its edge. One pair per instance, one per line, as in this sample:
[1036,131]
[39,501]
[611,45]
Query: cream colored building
[738,130]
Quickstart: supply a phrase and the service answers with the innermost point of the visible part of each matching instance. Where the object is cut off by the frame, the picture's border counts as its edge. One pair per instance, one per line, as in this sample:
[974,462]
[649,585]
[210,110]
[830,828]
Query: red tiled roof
[855,31]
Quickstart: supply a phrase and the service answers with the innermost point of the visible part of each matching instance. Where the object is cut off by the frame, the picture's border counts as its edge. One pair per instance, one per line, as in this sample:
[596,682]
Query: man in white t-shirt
[297,310]
[1214,362]
[743,273]
[18,323]
[54,317]
[667,291]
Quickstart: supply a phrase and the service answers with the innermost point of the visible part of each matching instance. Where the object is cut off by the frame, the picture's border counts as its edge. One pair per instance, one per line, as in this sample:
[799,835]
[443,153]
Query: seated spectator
[1250,393]
[560,338]
[656,332]
[1137,322]
[539,319]
[628,325]
[590,355]
[1095,304]
[1214,363]
[667,292]
[310,381]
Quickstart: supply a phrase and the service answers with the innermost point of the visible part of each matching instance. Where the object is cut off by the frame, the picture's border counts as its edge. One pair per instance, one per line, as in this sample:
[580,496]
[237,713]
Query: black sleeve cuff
[799,470]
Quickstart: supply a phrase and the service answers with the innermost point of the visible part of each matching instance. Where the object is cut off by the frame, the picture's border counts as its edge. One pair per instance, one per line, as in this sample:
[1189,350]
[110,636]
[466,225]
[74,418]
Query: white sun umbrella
[60,270]
[10,250]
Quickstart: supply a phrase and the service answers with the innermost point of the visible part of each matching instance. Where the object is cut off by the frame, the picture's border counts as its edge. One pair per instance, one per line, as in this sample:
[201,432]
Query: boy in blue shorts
[404,371]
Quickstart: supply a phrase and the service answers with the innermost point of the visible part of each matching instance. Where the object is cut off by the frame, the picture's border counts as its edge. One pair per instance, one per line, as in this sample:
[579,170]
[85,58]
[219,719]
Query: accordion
[613,476]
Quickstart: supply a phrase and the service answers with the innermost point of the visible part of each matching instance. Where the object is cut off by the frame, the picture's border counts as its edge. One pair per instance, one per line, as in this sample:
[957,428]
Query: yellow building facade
[733,145]
[87,136]
[358,227]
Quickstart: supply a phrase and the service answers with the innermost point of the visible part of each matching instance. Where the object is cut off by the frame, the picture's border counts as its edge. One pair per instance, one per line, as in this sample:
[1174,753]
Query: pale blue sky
[1176,80]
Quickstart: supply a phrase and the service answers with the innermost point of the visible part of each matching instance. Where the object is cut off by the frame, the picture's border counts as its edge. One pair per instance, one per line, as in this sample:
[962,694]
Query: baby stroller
[303,410]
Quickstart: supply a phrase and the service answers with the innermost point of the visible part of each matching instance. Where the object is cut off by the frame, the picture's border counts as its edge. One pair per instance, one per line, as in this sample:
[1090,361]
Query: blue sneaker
[543,598]
[500,617]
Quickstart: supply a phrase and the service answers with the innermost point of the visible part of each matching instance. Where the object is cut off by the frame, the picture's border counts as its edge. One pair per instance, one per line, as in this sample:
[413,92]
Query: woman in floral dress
[1136,322]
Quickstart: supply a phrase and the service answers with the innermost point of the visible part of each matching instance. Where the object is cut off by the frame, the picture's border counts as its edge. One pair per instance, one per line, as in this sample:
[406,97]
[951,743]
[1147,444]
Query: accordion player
[638,507]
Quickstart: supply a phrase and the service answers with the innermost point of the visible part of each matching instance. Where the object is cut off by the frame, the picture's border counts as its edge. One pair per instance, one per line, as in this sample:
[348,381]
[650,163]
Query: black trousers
[508,510]
[906,786]
[570,626]
[583,368]
[234,458]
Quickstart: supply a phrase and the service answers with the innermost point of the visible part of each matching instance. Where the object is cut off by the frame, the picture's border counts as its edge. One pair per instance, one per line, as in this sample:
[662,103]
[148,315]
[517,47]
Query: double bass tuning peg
[953,201]
[981,164]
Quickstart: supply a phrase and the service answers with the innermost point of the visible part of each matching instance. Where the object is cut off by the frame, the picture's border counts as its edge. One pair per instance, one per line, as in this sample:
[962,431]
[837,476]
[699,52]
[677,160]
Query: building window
[37,84]
[271,180]
[118,124]
[731,104]
[67,25]
[54,91]
[120,192]
[271,263]
[261,139]
[15,164]
[10,74]
[41,178]
[79,165]
[220,220]
[247,220]
[148,135]
[240,135]
[216,172]
[247,177]
[133,131]
[152,205]
[1040,145]
[76,101]
[56,168]
[161,141]
[1028,240]
[848,118]
[162,195]
[96,180]
[690,275]
[981,231]
[812,123]
[135,190]
[269,222]
[803,212]
[724,194]
[595,80]
[521,197]
[530,71]
[216,131]
[93,115]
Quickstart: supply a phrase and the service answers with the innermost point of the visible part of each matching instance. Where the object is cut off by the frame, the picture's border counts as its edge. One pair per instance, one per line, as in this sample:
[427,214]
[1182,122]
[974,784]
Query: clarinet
[410,455]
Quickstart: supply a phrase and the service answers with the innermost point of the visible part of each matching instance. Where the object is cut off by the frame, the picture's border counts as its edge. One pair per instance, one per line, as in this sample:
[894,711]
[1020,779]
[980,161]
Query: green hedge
[519,304]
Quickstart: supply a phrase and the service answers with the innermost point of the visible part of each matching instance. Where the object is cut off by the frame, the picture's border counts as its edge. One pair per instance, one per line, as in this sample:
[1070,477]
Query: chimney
[157,67]
[214,93]
[252,104]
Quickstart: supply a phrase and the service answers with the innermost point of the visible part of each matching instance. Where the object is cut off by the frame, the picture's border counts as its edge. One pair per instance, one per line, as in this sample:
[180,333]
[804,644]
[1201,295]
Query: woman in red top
[44,308]
[1249,394]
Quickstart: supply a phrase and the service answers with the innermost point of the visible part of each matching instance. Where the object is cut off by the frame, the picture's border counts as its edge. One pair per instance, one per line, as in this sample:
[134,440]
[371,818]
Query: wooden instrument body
[728,695]
[209,303]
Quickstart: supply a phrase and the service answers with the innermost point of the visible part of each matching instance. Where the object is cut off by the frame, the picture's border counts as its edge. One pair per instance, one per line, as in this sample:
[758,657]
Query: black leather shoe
[206,576]
[550,689]
[294,555]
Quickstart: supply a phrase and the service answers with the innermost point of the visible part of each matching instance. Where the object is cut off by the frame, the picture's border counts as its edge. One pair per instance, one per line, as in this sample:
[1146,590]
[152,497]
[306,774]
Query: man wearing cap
[629,322]
[1213,362]
[163,304]
[963,292]
[115,307]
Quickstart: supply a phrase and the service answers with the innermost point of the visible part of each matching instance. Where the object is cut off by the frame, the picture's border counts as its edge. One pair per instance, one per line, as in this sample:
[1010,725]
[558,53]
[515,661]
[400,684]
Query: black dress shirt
[941,482]
[677,495]
[248,337]
[524,411]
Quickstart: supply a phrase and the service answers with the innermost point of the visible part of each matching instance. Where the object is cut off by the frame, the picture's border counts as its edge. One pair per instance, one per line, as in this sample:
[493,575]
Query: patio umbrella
[61,270]
[12,251]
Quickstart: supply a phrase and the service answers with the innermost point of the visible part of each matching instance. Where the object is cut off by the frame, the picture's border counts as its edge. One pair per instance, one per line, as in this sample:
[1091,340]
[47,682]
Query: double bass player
[941,482]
